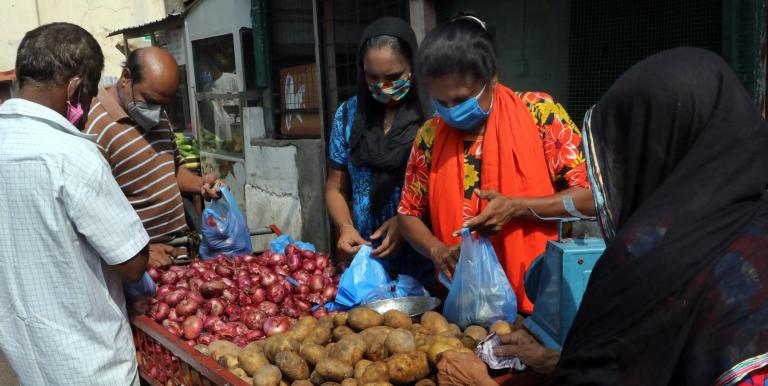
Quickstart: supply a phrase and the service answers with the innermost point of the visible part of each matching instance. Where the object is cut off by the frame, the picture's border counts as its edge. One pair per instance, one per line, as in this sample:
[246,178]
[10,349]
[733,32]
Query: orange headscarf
[512,164]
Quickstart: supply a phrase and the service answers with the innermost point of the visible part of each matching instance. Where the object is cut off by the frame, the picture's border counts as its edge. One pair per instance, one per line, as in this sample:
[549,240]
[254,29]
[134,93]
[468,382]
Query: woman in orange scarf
[490,158]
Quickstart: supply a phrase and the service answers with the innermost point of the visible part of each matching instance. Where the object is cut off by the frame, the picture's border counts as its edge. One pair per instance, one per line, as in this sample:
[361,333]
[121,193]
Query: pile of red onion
[242,299]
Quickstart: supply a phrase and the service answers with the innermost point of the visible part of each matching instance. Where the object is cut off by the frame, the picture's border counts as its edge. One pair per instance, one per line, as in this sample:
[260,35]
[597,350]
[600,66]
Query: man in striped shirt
[136,138]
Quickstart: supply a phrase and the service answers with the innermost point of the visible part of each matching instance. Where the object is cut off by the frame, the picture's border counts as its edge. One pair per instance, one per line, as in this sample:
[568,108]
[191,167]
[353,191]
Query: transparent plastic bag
[224,229]
[480,292]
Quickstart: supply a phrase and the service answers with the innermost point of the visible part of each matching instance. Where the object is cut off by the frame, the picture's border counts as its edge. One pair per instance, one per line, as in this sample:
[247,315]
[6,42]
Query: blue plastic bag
[278,245]
[480,292]
[224,229]
[364,275]
[143,288]
[402,287]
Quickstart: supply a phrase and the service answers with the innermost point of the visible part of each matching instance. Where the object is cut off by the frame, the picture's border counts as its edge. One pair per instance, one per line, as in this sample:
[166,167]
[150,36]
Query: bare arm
[133,269]
[338,192]
[424,241]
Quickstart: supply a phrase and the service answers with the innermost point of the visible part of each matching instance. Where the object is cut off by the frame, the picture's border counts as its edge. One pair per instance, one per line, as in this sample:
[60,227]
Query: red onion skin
[276,293]
[205,339]
[307,254]
[195,296]
[253,319]
[192,327]
[195,283]
[254,335]
[268,308]
[155,274]
[276,259]
[174,297]
[302,305]
[267,279]
[248,258]
[186,307]
[215,307]
[329,293]
[320,312]
[294,262]
[159,311]
[233,312]
[301,289]
[276,325]
[309,265]
[259,295]
[209,323]
[169,277]
[301,276]
[164,290]
[223,271]
[322,261]
[316,283]
[290,249]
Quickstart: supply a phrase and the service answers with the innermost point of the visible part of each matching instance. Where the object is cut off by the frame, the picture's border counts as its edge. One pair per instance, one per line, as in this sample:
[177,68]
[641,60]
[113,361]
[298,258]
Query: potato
[267,376]
[418,327]
[302,382]
[397,319]
[319,335]
[361,318]
[426,382]
[292,365]
[279,343]
[476,332]
[228,361]
[434,322]
[283,383]
[239,372]
[376,372]
[454,330]
[407,368]
[400,341]
[349,382]
[349,349]
[360,368]
[302,328]
[330,384]
[334,370]
[374,339]
[327,322]
[378,384]
[454,342]
[424,342]
[221,347]
[340,319]
[251,359]
[312,353]
[203,349]
[501,327]
[340,332]
[316,379]
[469,342]
[436,349]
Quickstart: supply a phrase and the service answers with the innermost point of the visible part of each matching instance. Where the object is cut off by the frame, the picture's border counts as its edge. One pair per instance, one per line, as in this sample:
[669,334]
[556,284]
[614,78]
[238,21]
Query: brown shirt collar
[108,98]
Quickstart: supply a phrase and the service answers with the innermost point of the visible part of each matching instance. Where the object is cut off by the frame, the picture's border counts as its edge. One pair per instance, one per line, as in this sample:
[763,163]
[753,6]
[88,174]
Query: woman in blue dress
[370,143]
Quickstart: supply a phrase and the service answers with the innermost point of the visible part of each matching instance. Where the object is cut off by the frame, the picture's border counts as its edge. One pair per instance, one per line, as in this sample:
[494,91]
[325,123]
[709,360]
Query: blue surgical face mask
[466,115]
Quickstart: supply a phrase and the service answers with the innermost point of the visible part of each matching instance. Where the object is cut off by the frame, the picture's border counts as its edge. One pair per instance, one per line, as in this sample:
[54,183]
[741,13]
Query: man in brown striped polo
[135,136]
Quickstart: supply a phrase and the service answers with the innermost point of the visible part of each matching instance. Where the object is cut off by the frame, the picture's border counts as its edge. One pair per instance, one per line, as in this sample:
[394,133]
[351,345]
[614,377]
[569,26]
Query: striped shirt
[144,163]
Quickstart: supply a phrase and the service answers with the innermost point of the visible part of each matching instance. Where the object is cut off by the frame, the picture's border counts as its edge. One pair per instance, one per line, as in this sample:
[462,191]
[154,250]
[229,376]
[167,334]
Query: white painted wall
[99,17]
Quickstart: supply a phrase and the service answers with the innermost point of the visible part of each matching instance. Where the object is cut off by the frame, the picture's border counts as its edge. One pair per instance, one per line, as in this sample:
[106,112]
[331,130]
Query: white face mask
[147,115]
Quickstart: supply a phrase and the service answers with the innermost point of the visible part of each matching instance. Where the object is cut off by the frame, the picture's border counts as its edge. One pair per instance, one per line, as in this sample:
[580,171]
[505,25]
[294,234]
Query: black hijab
[386,155]
[685,153]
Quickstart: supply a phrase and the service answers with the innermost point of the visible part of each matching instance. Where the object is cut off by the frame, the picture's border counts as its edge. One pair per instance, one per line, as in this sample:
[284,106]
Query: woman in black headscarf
[677,157]
[370,142]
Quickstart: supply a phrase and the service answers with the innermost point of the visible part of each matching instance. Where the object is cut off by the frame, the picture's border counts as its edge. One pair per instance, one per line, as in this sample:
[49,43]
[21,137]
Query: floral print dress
[560,138]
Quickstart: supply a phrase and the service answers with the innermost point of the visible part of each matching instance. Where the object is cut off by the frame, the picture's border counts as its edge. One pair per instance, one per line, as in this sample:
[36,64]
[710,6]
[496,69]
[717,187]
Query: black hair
[461,46]
[134,65]
[54,53]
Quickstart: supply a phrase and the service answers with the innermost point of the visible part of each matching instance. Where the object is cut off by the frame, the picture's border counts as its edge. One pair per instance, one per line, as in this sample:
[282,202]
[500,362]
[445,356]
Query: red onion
[316,283]
[240,273]
[192,272]
[168,324]
[319,312]
[240,328]
[192,327]
[293,262]
[318,272]
[223,270]
[244,300]
[195,296]
[155,274]
[174,317]
[259,295]
[186,307]
[315,298]
[195,283]
[253,318]
[210,322]
[219,326]
[190,343]
[238,260]
[301,276]
[309,265]
[208,274]
[301,289]
[205,339]
[322,261]
[228,282]
[267,279]
[164,290]
[159,311]
[263,259]
[182,284]
[228,332]
[282,270]
[254,335]
[215,307]
[197,264]
[249,258]
[329,271]
[329,293]
[174,297]
[230,294]
[240,341]
[307,254]
[276,325]
[290,249]
[233,312]
[221,259]
[269,308]
[290,311]
[302,305]
[212,289]
[276,259]
[169,277]
[276,293]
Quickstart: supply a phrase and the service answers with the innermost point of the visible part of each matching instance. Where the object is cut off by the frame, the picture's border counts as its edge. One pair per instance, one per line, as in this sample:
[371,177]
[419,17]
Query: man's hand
[350,240]
[445,258]
[533,354]
[462,369]
[392,241]
[209,190]
[497,214]
[160,255]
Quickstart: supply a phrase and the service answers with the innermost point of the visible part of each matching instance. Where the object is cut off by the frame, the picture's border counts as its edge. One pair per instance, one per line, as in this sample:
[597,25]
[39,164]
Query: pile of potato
[358,348]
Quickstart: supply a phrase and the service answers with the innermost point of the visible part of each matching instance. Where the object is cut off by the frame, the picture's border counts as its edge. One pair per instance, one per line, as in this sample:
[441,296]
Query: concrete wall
[285,187]
[531,40]
[99,17]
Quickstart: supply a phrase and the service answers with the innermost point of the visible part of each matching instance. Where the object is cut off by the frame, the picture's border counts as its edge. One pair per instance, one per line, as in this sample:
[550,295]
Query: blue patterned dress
[406,261]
